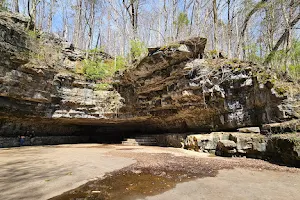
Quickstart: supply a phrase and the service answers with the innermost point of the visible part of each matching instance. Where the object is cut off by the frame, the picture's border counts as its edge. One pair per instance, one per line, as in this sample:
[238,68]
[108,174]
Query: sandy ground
[30,173]
[239,184]
[44,172]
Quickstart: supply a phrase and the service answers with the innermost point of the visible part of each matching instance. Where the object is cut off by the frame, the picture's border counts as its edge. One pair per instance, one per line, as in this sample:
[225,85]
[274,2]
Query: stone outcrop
[177,90]
[228,143]
[282,148]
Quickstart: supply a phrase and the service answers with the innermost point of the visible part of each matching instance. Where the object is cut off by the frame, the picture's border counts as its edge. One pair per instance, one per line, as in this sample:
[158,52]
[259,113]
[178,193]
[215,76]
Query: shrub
[99,70]
[94,70]
[182,20]
[295,71]
[137,49]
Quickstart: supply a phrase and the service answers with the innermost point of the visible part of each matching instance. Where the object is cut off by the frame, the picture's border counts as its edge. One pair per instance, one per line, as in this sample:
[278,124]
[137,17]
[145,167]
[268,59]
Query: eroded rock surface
[39,91]
[178,91]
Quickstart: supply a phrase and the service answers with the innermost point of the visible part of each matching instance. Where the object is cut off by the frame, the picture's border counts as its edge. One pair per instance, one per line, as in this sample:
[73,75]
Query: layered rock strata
[282,148]
[173,89]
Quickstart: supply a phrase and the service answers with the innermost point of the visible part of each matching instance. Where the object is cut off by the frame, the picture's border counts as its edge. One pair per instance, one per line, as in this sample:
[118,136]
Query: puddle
[132,184]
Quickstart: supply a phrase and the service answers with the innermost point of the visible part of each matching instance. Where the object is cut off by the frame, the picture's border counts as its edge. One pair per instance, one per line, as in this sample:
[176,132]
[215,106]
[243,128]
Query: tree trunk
[32,12]
[90,22]
[50,17]
[16,6]
[229,27]
[257,7]
[192,18]
[2,3]
[215,14]
[78,21]
[281,39]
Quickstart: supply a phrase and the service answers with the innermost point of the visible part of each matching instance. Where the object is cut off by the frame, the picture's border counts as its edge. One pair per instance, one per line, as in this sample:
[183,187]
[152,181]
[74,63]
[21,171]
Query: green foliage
[97,50]
[295,57]
[37,56]
[289,60]
[102,86]
[99,70]
[3,6]
[182,20]
[32,34]
[295,71]
[137,49]
[3,9]
[295,51]
[120,63]
[95,70]
[170,46]
[253,53]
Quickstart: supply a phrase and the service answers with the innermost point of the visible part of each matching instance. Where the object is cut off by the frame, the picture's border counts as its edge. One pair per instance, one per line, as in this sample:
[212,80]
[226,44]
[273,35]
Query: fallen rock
[249,130]
[283,127]
[226,148]
[284,148]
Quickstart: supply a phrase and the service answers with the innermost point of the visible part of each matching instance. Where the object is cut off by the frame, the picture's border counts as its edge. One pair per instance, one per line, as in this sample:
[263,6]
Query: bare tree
[283,38]
[2,3]
[90,20]
[16,7]
[50,17]
[132,7]
[32,5]
[257,7]
[78,23]
[215,16]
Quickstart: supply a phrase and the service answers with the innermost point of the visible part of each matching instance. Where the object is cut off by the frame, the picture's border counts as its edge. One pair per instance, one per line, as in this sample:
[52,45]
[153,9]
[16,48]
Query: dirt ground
[93,171]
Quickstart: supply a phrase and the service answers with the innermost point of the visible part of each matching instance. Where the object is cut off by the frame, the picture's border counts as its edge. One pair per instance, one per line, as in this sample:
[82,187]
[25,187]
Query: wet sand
[147,173]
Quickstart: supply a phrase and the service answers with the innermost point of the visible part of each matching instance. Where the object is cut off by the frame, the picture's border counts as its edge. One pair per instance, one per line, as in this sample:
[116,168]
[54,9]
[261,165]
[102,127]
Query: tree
[215,14]
[181,22]
[257,7]
[16,6]
[32,5]
[2,4]
[50,17]
[78,23]
[229,28]
[90,20]
[283,37]
[132,7]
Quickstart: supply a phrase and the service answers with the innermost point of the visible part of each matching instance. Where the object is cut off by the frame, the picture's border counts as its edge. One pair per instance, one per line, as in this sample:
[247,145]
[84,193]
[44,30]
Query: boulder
[205,142]
[234,143]
[226,148]
[284,148]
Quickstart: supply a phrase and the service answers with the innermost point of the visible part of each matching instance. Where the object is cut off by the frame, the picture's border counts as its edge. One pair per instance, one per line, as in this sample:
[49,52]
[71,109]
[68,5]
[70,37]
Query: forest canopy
[262,31]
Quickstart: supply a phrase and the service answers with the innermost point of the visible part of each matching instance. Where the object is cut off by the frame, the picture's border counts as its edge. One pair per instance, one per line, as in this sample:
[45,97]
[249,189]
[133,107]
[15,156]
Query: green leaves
[94,70]
[182,20]
[99,70]
[138,49]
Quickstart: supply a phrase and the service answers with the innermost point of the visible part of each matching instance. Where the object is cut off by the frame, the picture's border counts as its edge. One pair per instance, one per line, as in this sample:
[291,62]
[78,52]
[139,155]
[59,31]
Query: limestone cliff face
[38,87]
[174,89]
[180,92]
